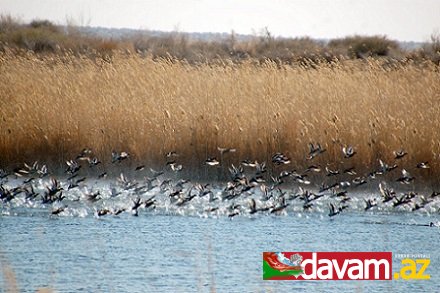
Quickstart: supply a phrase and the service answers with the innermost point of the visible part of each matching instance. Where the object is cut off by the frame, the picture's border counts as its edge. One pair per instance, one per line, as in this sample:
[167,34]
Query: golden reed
[53,106]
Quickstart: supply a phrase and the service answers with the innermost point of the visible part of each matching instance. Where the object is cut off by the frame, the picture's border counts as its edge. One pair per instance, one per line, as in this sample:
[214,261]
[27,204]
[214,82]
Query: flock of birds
[251,189]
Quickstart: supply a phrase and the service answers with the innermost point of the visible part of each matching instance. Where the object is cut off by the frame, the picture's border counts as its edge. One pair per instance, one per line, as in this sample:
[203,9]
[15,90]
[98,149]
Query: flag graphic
[277,264]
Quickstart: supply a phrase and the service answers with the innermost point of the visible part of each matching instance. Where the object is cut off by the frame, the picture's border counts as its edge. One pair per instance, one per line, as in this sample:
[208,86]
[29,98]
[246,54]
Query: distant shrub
[36,39]
[8,24]
[362,47]
[44,24]
[432,49]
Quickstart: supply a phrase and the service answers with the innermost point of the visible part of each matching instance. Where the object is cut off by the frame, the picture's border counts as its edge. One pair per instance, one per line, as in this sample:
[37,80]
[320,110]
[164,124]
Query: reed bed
[55,105]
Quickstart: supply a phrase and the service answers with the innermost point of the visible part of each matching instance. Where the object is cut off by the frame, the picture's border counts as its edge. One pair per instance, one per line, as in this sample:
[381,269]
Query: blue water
[169,253]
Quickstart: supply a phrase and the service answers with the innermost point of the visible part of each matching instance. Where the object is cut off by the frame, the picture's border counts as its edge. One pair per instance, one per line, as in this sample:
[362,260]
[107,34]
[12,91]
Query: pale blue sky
[410,20]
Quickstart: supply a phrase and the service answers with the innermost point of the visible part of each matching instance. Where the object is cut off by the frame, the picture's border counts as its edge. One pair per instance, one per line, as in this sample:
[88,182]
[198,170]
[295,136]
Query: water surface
[170,253]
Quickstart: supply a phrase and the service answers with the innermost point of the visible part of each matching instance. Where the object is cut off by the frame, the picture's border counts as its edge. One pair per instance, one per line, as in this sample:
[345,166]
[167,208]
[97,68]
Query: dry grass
[8,275]
[53,106]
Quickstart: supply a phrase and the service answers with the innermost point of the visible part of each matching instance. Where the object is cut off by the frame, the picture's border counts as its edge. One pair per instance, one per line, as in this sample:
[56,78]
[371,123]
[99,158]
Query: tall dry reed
[53,106]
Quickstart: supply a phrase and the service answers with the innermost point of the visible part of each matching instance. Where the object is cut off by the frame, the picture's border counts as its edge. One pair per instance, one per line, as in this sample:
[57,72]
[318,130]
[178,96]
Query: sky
[404,20]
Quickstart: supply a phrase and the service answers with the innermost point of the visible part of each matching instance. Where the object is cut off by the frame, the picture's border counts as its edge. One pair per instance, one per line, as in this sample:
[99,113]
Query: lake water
[159,252]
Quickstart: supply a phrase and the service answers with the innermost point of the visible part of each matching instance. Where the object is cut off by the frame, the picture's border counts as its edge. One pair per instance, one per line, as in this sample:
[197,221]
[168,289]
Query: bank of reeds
[52,106]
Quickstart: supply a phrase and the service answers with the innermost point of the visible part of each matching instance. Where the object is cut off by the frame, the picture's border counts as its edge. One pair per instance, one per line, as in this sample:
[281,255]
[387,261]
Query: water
[169,253]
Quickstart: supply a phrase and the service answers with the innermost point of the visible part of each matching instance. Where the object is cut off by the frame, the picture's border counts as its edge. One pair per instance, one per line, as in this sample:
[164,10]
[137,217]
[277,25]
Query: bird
[331,172]
[260,168]
[140,168]
[314,151]
[93,162]
[54,187]
[5,194]
[423,165]
[385,167]
[212,162]
[333,211]
[307,206]
[248,163]
[72,167]
[285,174]
[236,173]
[3,173]
[92,196]
[348,151]
[280,159]
[58,210]
[387,194]
[137,203]
[30,192]
[102,175]
[300,178]
[156,174]
[404,199]
[313,168]
[280,207]
[226,150]
[102,212]
[423,202]
[406,177]
[252,206]
[119,157]
[399,154]
[358,181]
[171,154]
[118,211]
[370,203]
[84,154]
[43,172]
[350,171]
[176,167]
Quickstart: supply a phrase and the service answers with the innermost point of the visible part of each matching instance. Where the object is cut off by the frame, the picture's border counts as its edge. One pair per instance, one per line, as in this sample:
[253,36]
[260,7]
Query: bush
[8,24]
[362,47]
[432,49]
[45,25]
[35,39]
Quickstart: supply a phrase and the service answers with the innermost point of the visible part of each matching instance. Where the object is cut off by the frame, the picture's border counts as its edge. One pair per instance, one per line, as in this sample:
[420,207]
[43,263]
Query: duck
[423,165]
[84,154]
[119,157]
[280,159]
[406,177]
[314,151]
[72,167]
[226,150]
[176,167]
[171,154]
[140,168]
[369,203]
[58,210]
[331,172]
[212,161]
[333,211]
[350,171]
[399,154]
[348,151]
[313,168]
